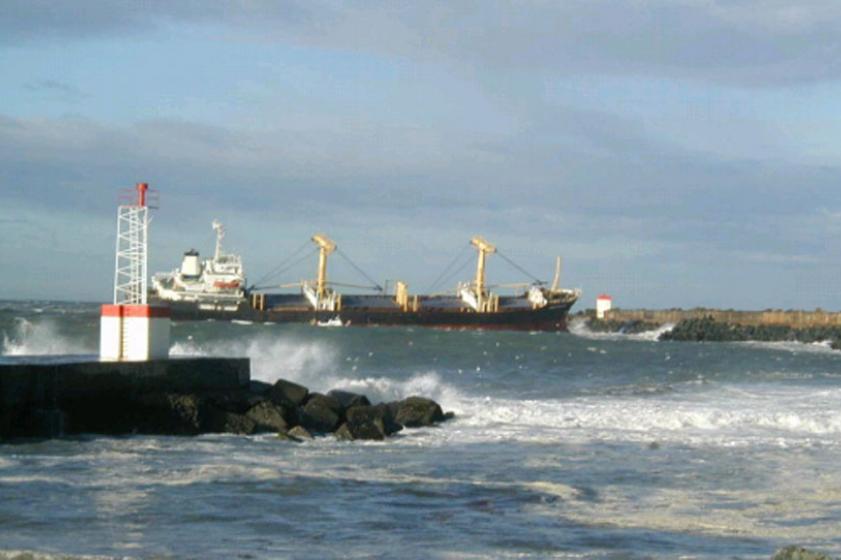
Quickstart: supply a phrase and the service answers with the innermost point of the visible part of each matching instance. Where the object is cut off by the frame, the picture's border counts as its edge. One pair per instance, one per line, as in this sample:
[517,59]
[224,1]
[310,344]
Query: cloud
[747,43]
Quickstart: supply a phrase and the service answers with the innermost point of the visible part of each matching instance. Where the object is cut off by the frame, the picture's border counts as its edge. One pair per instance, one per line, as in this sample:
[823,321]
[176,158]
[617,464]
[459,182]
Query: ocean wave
[732,417]
[822,347]
[32,555]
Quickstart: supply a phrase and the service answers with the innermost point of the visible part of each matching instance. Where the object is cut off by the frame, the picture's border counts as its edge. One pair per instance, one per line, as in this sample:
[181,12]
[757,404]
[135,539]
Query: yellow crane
[326,246]
[485,248]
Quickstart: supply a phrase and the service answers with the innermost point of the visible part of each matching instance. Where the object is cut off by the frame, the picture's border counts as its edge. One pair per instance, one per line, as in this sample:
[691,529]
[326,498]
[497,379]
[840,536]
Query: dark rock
[288,394]
[347,399]
[325,400]
[299,433]
[415,412]
[390,423]
[268,417]
[238,401]
[343,433]
[321,413]
[367,422]
[259,387]
[221,421]
[286,436]
[798,553]
[393,408]
[370,422]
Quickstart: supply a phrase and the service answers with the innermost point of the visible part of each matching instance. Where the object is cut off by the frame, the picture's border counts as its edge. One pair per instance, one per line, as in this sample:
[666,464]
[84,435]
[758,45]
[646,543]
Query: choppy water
[565,446]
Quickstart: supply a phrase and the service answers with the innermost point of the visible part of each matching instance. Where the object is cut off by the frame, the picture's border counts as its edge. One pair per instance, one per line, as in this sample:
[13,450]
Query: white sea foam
[381,389]
[579,328]
[824,346]
[763,415]
[39,338]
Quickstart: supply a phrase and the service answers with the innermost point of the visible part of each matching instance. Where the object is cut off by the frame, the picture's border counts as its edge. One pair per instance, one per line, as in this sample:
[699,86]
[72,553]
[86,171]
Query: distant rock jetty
[189,396]
[709,329]
[724,325]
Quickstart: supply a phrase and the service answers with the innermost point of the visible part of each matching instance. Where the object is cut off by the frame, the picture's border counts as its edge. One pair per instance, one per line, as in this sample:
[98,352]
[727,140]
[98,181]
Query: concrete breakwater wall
[792,319]
[49,399]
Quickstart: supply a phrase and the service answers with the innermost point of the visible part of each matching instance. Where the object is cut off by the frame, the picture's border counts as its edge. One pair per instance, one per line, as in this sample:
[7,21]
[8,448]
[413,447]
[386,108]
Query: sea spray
[41,337]
[580,327]
[311,363]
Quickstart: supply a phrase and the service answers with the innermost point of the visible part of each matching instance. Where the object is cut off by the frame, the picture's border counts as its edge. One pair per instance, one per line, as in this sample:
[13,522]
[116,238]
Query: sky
[675,153]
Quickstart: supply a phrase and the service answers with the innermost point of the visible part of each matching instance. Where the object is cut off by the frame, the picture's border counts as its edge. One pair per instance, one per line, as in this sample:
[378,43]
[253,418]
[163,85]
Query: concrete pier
[48,400]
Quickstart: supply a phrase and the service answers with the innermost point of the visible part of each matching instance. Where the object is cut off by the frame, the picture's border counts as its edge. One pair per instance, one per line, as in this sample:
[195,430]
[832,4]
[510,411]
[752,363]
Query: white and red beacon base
[134,332]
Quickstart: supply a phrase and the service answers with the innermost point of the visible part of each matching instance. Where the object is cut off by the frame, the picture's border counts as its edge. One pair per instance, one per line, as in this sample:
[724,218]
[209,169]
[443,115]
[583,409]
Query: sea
[564,445]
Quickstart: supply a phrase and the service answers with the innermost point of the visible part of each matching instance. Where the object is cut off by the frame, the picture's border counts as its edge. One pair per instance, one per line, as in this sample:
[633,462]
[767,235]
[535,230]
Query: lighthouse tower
[130,328]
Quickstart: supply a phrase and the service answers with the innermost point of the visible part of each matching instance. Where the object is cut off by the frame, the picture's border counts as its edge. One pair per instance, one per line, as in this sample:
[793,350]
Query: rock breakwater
[189,397]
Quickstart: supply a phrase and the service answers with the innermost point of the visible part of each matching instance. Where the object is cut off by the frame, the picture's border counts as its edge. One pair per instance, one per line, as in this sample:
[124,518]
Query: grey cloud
[746,43]
[647,220]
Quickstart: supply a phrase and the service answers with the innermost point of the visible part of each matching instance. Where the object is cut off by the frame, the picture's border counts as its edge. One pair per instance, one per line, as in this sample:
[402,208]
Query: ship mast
[556,281]
[220,233]
[485,248]
[326,246]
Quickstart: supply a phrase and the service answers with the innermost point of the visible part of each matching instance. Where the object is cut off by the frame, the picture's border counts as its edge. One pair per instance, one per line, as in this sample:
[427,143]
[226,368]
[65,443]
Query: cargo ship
[216,288]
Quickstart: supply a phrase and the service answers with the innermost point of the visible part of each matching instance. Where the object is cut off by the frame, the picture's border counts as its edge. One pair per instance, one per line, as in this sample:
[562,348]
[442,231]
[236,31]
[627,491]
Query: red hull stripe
[148,311]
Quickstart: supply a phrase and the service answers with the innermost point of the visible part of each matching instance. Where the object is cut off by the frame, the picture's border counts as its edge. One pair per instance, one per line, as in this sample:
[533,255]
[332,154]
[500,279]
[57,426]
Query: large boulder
[239,401]
[268,417]
[349,400]
[798,553]
[415,412]
[220,421]
[320,413]
[368,422]
[259,387]
[288,394]
[298,433]
[343,433]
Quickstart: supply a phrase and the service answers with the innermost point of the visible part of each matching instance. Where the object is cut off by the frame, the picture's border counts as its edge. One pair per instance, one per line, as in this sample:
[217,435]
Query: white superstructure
[217,280]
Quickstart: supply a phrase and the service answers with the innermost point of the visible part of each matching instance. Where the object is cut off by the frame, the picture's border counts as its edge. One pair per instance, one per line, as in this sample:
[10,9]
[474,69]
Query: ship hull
[550,318]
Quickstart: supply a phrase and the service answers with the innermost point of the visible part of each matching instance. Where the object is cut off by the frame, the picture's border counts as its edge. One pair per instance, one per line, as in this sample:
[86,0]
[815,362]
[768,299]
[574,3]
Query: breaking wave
[735,417]
[40,338]
[271,359]
[579,328]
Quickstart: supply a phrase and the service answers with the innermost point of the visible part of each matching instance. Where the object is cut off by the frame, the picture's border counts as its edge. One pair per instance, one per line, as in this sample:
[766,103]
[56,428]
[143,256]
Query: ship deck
[297,302]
